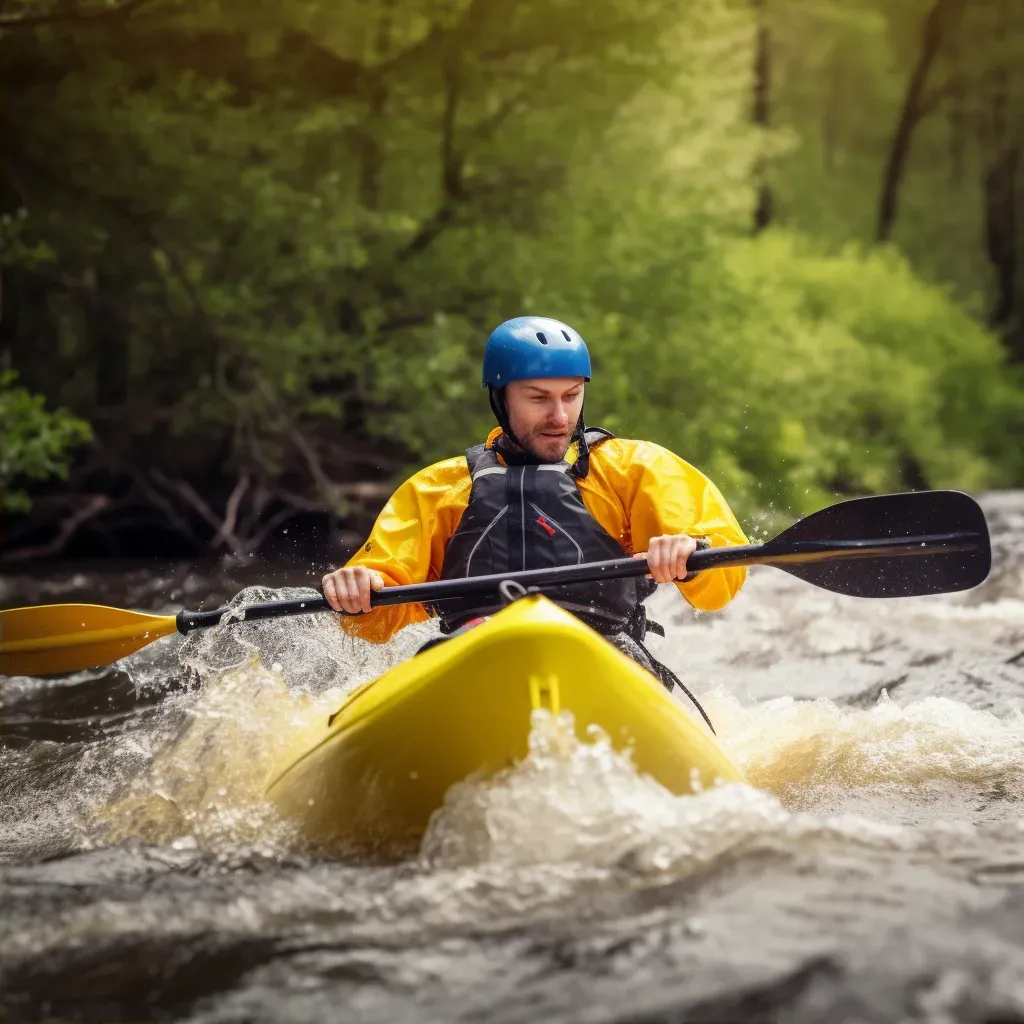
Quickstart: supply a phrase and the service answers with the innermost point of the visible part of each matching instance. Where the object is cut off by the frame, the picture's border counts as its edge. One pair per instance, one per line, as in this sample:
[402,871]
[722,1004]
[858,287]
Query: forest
[251,251]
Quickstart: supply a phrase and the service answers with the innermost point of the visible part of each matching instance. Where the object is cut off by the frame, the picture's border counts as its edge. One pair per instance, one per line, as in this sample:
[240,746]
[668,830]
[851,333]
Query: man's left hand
[666,556]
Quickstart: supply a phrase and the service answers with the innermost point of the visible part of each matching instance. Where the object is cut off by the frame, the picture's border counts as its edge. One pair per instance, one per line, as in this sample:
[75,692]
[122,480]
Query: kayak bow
[369,781]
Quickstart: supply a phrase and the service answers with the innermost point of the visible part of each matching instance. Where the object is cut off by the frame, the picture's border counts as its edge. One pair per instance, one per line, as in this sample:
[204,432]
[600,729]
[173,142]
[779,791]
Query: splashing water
[206,787]
[192,768]
[266,687]
[196,727]
[210,749]
[786,744]
[586,803]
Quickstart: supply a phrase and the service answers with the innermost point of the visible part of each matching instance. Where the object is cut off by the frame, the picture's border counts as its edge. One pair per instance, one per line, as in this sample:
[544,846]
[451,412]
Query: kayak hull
[368,784]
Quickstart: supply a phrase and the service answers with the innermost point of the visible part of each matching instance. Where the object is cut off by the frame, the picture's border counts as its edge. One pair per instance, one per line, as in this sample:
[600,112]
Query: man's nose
[561,414]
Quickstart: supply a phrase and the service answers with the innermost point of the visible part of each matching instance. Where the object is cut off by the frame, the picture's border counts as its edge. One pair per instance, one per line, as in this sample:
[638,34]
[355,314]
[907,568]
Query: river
[873,870]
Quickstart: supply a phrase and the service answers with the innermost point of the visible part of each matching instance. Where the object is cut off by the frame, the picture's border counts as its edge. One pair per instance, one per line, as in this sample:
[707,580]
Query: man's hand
[666,556]
[348,589]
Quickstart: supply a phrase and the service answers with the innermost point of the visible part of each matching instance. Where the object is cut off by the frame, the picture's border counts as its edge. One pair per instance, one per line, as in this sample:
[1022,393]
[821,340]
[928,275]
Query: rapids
[869,872]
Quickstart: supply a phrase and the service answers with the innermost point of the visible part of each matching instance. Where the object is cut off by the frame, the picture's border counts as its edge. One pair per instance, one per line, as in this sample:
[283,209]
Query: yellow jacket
[636,490]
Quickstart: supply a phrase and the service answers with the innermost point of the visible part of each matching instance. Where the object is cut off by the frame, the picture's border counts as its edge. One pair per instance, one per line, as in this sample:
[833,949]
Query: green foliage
[36,444]
[785,371]
[268,256]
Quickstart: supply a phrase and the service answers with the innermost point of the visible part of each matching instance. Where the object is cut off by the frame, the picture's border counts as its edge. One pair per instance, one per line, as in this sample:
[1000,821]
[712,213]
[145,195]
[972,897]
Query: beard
[546,444]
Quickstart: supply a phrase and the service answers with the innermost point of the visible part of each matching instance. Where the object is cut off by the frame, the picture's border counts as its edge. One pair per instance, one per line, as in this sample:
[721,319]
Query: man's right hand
[348,589]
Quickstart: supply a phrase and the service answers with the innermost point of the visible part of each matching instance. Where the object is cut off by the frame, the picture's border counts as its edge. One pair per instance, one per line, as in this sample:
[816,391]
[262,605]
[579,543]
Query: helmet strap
[496,396]
[500,410]
[582,465]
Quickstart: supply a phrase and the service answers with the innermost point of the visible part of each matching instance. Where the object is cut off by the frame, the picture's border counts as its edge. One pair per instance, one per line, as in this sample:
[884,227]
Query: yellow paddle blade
[68,637]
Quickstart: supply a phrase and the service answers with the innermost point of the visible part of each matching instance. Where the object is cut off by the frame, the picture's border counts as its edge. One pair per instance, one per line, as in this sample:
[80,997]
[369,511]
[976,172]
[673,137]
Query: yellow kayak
[385,759]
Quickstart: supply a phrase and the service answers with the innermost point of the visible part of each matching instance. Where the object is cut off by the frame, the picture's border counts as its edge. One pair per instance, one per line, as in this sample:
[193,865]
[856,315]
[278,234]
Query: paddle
[893,545]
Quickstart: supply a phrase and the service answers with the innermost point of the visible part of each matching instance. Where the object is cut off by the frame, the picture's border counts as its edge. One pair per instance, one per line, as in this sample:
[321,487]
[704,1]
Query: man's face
[544,413]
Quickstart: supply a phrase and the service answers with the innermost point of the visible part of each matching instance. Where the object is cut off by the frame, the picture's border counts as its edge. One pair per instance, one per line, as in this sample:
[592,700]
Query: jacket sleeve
[407,543]
[667,495]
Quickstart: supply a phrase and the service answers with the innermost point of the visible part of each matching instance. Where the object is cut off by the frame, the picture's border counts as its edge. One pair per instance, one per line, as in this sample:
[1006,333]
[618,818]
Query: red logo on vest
[546,525]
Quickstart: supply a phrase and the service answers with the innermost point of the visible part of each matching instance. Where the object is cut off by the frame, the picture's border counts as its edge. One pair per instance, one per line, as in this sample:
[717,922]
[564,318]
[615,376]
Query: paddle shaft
[772,553]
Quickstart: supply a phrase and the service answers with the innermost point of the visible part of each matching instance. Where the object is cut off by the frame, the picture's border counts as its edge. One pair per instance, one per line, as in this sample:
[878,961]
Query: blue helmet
[534,346]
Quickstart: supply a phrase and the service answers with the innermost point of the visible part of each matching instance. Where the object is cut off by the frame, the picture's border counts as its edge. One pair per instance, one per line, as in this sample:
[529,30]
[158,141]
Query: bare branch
[257,503]
[92,508]
[316,469]
[185,490]
[156,499]
[256,540]
[226,530]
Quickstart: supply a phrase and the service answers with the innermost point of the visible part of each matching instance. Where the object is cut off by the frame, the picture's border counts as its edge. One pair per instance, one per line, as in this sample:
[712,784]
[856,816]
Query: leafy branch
[36,443]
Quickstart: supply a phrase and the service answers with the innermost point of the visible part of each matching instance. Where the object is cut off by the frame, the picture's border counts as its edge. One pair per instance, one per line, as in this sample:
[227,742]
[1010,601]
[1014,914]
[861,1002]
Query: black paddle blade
[930,566]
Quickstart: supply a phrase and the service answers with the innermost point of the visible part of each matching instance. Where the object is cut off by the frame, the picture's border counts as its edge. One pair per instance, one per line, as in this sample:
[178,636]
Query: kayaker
[543,490]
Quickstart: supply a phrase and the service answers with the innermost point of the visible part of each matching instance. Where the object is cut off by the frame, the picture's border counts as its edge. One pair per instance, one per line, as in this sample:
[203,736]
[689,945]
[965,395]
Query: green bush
[36,443]
[790,375]
[786,374]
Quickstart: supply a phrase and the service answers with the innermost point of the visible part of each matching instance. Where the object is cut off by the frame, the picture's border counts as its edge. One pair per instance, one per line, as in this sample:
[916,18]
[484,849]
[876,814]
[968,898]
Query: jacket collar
[496,433]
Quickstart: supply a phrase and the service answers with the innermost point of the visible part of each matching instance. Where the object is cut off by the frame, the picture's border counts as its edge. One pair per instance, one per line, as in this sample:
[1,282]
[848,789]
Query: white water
[882,829]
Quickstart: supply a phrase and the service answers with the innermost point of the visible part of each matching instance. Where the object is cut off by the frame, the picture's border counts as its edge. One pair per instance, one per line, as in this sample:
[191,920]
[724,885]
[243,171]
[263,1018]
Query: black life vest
[533,517]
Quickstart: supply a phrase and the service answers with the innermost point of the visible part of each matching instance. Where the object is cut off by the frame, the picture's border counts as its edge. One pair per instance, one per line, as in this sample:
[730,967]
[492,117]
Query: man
[543,490]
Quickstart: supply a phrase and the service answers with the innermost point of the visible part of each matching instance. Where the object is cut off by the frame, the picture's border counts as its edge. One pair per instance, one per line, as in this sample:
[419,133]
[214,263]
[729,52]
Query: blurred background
[252,250]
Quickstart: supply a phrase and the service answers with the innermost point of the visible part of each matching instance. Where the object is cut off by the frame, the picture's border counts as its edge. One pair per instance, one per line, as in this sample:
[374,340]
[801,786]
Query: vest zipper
[522,514]
[561,529]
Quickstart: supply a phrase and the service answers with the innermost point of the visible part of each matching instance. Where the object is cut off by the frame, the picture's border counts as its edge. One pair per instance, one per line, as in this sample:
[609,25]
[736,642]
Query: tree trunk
[370,148]
[833,110]
[764,210]
[957,113]
[110,339]
[1001,231]
[1000,196]
[941,18]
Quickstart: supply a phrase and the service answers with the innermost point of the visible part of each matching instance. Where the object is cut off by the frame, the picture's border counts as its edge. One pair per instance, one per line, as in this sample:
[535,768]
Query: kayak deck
[370,782]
